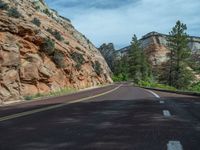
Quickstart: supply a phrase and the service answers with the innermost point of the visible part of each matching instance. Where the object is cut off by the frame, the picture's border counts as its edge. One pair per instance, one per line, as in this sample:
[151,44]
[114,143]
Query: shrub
[13,12]
[31,97]
[78,48]
[65,19]
[195,87]
[78,58]
[28,98]
[3,6]
[37,8]
[120,77]
[36,22]
[50,30]
[67,42]
[97,67]
[56,34]
[58,59]
[48,46]
[47,12]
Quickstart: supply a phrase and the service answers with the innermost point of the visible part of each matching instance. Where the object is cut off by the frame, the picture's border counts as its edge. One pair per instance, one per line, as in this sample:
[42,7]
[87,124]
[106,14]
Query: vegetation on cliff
[42,52]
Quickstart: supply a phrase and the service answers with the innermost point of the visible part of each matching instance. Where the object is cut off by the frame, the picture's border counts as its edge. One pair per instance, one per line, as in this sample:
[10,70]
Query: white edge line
[174,145]
[156,95]
[166,113]
[162,102]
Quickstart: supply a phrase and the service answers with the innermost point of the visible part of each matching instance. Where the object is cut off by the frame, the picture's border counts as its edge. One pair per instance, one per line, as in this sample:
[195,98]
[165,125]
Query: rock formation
[108,52]
[155,45]
[41,51]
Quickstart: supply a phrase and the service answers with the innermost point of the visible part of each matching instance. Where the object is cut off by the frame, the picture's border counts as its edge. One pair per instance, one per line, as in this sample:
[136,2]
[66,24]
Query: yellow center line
[54,106]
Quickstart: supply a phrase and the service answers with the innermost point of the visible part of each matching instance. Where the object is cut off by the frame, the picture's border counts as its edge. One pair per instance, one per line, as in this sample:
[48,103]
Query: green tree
[138,66]
[121,68]
[178,74]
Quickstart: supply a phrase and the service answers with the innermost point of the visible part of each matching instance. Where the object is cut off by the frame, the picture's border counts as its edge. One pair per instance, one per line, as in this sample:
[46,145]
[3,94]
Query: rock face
[26,69]
[108,52]
[155,45]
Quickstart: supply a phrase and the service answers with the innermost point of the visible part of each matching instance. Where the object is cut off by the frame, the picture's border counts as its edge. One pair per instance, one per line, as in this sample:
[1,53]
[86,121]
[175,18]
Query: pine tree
[178,74]
[121,68]
[138,66]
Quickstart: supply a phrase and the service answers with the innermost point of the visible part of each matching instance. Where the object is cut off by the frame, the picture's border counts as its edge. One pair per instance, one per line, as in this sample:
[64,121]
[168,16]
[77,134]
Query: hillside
[41,51]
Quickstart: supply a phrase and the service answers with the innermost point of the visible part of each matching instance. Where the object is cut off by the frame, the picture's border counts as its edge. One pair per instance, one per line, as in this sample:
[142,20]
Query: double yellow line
[22,114]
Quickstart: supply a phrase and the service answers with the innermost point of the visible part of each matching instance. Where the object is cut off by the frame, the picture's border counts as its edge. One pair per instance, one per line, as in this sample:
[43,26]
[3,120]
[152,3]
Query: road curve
[116,117]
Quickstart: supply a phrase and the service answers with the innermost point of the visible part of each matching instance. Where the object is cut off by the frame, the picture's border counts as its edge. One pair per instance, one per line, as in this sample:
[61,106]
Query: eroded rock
[26,69]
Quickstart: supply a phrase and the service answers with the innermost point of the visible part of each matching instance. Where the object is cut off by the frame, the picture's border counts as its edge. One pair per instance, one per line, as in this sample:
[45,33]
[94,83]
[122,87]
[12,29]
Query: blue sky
[104,21]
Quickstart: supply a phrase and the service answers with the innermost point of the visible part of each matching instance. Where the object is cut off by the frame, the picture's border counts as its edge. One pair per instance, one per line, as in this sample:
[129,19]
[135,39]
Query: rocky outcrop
[25,67]
[155,45]
[108,52]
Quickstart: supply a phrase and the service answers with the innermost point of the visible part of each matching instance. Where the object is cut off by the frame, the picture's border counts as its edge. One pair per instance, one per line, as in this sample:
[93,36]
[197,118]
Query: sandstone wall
[24,67]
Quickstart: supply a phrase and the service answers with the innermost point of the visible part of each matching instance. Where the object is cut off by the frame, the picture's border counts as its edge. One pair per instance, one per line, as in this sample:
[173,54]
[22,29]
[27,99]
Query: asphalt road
[116,117]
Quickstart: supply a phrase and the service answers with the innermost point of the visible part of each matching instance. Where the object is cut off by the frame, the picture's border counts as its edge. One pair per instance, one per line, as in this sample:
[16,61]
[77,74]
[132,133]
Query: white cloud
[118,25]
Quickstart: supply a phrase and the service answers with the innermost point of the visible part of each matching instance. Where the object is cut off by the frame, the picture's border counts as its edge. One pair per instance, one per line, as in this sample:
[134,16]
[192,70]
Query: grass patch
[156,85]
[60,92]
[195,87]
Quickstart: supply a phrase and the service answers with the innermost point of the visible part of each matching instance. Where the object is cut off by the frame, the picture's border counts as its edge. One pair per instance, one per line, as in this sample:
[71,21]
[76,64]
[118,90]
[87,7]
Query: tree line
[176,72]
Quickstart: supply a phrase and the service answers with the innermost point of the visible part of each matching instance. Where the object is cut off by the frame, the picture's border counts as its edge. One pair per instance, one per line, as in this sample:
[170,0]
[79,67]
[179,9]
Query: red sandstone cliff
[25,67]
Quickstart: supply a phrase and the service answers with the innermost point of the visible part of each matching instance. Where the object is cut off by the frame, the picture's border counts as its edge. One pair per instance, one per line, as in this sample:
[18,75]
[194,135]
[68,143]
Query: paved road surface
[116,117]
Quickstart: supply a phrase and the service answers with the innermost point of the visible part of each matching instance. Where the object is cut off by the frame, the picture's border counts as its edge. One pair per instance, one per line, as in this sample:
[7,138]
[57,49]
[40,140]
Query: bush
[58,59]
[78,58]
[48,46]
[37,8]
[50,30]
[67,42]
[97,67]
[78,48]
[3,6]
[120,77]
[47,12]
[13,12]
[195,87]
[36,22]
[56,34]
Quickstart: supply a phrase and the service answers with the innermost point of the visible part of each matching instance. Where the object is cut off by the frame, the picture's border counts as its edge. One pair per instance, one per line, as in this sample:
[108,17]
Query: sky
[116,21]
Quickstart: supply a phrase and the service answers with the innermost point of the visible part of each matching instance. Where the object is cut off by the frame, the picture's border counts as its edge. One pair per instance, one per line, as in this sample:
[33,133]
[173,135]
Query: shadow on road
[108,125]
